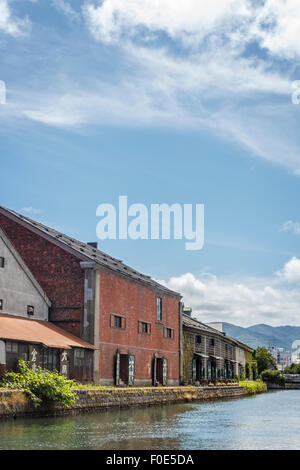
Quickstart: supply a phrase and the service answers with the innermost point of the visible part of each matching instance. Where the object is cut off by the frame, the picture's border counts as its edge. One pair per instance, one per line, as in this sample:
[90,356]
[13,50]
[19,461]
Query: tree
[264,359]
[292,369]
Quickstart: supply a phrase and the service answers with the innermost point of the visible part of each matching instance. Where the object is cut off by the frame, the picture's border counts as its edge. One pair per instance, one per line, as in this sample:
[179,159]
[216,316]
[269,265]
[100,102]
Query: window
[169,333]
[212,341]
[79,353]
[144,327]
[1,304]
[30,310]
[2,262]
[117,321]
[198,339]
[159,308]
[11,347]
[79,357]
[228,348]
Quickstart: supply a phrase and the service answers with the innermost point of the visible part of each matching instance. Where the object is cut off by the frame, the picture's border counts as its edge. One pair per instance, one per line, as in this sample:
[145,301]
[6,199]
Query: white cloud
[274,24]
[110,20]
[246,302]
[291,271]
[9,23]
[277,27]
[291,226]
[66,8]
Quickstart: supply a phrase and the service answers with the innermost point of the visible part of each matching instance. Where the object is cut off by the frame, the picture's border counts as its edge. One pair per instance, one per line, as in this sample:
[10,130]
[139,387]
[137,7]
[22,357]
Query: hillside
[264,335]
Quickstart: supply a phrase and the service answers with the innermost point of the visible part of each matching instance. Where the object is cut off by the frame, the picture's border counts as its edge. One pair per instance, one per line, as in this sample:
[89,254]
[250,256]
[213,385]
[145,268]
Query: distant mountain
[264,335]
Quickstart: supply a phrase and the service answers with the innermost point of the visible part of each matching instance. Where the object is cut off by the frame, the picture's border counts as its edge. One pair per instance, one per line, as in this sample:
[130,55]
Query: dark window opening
[169,333]
[30,310]
[198,339]
[117,321]
[145,327]
[1,304]
[2,262]
[212,342]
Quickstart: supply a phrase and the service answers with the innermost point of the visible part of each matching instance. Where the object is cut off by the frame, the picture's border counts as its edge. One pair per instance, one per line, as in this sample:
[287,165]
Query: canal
[267,421]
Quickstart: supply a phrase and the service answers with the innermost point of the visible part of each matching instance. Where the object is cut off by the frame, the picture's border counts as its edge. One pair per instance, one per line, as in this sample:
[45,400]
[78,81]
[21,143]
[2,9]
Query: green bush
[252,387]
[41,386]
[272,376]
[292,369]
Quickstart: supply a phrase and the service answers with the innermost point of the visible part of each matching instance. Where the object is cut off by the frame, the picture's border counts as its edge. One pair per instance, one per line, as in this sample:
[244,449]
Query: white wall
[17,290]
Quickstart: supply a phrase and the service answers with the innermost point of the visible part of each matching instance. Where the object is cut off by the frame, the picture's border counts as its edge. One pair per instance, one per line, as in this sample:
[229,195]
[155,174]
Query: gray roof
[194,323]
[86,252]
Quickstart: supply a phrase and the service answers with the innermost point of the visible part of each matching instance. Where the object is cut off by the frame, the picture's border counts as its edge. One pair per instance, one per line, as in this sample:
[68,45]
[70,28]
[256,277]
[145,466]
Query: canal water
[267,421]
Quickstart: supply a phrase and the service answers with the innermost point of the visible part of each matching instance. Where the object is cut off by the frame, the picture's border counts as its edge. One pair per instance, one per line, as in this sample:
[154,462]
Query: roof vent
[93,244]
[187,311]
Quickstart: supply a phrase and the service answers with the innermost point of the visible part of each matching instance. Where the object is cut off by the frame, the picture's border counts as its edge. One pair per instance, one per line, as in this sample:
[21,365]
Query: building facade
[25,332]
[210,355]
[133,323]
[282,356]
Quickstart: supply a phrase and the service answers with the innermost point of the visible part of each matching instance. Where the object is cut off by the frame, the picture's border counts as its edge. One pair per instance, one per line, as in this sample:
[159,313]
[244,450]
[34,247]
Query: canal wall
[14,403]
[286,386]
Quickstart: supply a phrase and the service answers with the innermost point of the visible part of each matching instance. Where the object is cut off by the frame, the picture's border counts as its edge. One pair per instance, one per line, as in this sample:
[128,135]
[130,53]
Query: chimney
[93,244]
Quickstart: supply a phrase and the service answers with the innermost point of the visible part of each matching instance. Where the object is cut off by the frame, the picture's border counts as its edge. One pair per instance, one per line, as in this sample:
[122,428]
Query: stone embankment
[14,403]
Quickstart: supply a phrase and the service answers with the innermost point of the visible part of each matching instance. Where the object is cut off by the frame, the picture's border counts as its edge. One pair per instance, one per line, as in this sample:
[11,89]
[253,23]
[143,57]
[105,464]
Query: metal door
[117,375]
[131,369]
[165,371]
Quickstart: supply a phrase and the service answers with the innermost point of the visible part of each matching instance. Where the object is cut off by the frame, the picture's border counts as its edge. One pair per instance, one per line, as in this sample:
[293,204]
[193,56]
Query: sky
[169,101]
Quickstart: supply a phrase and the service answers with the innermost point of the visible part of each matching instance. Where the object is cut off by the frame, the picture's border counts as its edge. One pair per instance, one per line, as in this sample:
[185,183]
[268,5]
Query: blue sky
[165,102]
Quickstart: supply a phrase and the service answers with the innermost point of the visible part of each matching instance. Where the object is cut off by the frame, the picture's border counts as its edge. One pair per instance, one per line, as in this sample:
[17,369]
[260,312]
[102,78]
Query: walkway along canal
[266,421]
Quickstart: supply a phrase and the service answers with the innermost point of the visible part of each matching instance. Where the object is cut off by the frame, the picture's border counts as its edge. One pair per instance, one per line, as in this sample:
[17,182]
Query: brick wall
[137,303]
[57,271]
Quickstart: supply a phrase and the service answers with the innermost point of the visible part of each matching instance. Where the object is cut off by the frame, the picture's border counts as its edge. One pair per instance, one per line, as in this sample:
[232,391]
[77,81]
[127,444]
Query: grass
[90,386]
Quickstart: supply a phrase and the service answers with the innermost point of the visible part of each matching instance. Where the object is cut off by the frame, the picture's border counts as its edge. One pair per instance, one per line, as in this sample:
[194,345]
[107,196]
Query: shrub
[272,376]
[252,387]
[41,386]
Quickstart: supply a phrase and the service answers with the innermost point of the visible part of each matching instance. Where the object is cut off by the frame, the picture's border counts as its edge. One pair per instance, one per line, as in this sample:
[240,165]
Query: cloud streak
[9,23]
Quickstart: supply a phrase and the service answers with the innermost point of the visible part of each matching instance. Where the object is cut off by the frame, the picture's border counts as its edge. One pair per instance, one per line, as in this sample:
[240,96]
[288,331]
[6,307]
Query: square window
[30,310]
[2,262]
[169,333]
[118,322]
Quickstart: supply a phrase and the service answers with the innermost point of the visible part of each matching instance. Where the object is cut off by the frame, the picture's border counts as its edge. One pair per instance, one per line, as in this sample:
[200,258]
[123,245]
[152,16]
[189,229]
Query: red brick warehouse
[134,322]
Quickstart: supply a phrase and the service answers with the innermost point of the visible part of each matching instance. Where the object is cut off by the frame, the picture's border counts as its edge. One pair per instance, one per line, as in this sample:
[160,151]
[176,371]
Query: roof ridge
[93,254]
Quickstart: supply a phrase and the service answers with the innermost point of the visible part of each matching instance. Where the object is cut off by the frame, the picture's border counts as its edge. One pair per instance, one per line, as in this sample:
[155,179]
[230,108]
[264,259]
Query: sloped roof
[38,332]
[86,252]
[194,323]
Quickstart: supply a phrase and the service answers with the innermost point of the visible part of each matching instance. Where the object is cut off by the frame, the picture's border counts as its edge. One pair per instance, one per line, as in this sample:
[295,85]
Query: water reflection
[268,421]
